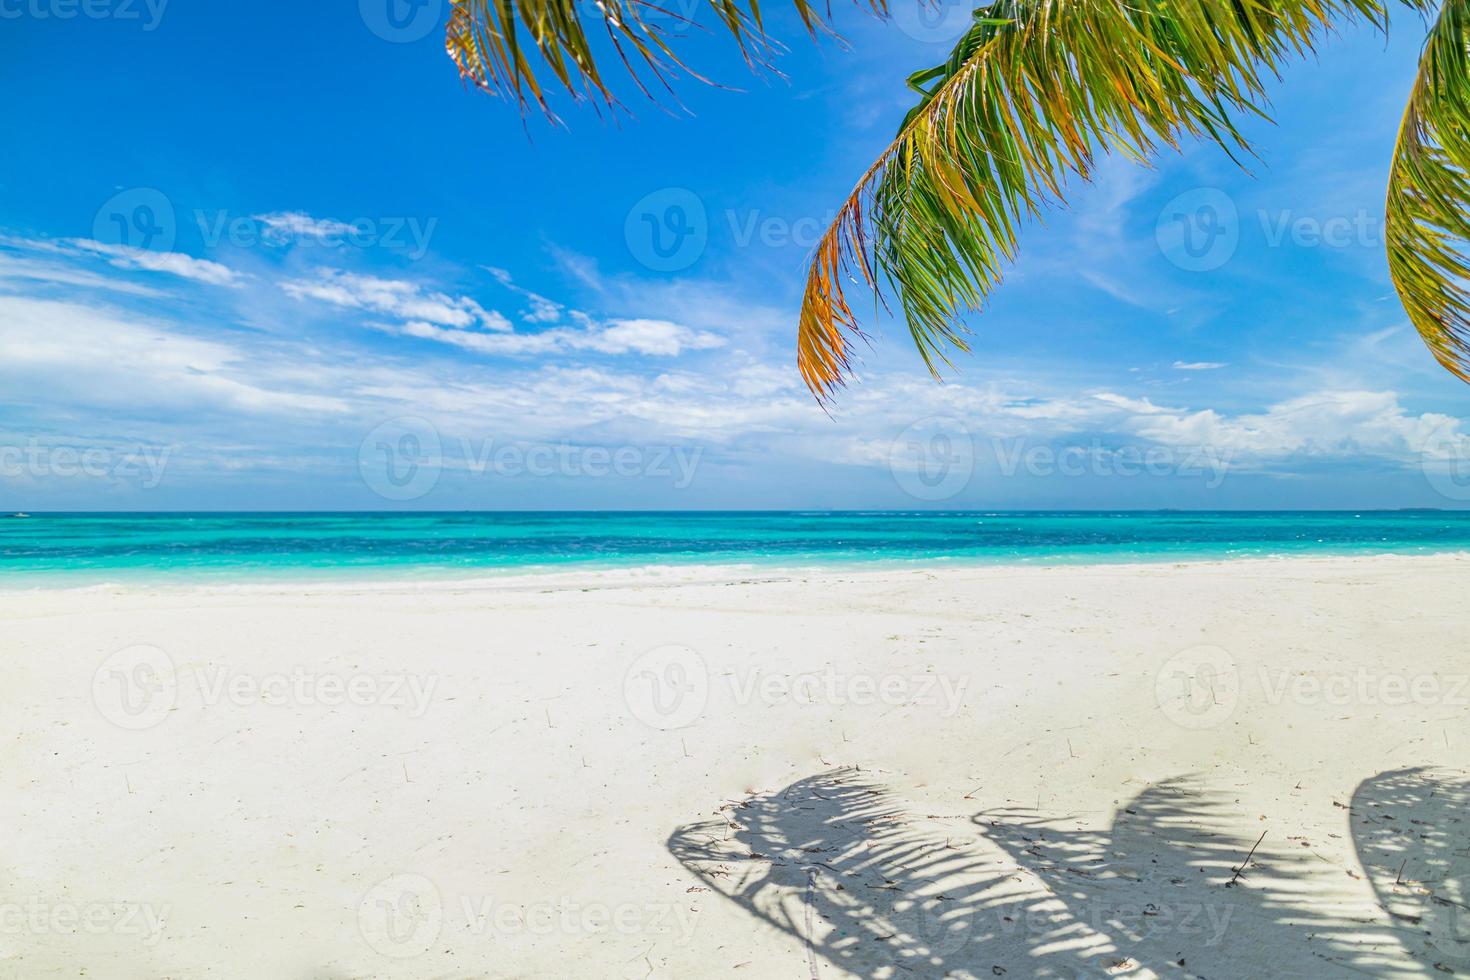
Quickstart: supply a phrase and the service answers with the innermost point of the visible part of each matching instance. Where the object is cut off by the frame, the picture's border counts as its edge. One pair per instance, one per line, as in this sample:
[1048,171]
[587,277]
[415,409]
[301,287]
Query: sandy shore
[961,772]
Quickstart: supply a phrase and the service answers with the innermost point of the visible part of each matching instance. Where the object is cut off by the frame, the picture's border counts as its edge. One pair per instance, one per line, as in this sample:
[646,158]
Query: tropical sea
[74,549]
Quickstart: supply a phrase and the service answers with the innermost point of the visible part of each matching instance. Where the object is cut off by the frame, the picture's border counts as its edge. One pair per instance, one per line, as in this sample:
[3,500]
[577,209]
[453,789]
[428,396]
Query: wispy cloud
[119,358]
[74,356]
[13,267]
[541,309]
[172,263]
[120,257]
[653,338]
[396,297]
[296,224]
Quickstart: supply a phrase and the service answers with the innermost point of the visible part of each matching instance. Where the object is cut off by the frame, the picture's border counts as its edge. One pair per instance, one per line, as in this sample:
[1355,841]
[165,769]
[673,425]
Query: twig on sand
[644,957]
[811,952]
[1241,870]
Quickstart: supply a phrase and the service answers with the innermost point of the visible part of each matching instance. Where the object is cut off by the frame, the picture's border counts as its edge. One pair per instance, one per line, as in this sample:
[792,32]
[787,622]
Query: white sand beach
[964,772]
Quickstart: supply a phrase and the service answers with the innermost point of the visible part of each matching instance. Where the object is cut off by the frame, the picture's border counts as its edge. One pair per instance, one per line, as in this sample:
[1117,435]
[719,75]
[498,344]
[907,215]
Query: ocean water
[46,550]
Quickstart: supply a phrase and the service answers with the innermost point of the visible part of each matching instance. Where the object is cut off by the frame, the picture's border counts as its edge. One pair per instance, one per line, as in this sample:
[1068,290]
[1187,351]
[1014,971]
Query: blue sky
[277,256]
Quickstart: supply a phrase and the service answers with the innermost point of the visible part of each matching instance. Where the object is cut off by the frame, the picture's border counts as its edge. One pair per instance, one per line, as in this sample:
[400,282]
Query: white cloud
[654,338]
[395,297]
[173,263]
[296,224]
[75,355]
[1326,424]
[542,309]
[659,338]
[155,369]
[16,268]
[1197,365]
[119,257]
[1286,437]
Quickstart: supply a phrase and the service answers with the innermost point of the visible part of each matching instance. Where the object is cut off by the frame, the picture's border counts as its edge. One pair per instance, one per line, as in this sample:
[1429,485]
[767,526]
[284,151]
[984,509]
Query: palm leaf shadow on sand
[841,865]
[1412,831]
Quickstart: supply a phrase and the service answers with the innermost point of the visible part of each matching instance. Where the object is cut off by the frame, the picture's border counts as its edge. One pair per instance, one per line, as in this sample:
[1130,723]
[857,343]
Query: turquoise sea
[43,550]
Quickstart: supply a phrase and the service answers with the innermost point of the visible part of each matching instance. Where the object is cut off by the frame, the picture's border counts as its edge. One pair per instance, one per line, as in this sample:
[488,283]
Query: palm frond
[519,47]
[1427,227]
[1029,96]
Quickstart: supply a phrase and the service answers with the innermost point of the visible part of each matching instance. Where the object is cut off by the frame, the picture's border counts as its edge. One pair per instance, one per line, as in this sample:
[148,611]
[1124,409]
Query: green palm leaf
[1030,95]
[510,46]
[1429,190]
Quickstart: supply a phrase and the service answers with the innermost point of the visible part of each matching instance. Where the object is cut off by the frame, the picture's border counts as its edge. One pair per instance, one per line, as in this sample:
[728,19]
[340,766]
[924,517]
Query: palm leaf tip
[514,47]
[1426,222]
[1029,96]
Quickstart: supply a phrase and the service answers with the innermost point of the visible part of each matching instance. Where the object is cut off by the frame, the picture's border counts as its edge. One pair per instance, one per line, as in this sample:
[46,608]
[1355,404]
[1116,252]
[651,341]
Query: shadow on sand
[878,891]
